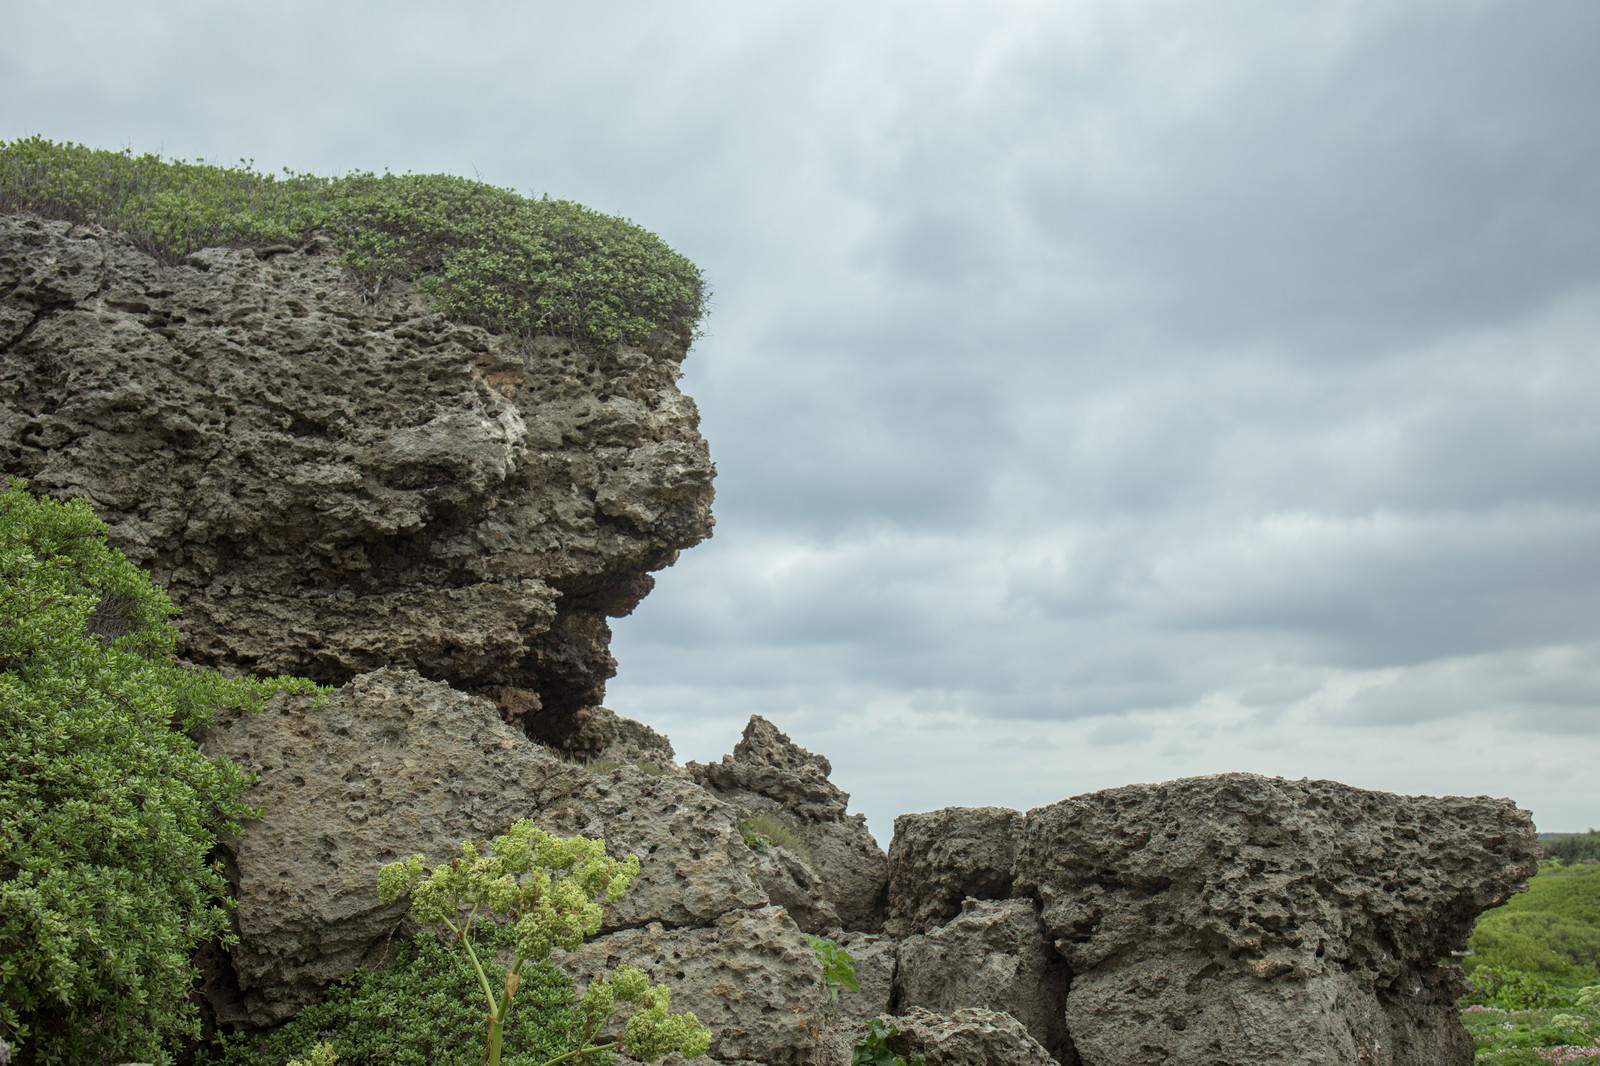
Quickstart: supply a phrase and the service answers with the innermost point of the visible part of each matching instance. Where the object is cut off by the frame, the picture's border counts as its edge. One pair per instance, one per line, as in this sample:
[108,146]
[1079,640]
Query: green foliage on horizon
[1576,848]
[485,255]
[1552,930]
[107,809]
[420,1011]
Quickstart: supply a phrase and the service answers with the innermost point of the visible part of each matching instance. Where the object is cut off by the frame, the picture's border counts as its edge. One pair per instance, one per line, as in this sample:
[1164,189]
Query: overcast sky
[1101,391]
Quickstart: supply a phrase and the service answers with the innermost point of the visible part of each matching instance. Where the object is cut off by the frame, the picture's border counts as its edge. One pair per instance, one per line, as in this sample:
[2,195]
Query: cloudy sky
[1102,391]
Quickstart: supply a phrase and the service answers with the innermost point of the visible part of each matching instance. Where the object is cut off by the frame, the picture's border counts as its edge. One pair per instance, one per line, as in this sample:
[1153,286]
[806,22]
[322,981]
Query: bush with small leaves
[548,889]
[108,810]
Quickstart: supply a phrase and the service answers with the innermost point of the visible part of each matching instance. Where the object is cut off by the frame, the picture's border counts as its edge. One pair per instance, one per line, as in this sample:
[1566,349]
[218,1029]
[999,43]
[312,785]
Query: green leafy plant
[321,1055]
[548,888]
[873,1049]
[421,1011]
[484,255]
[753,840]
[838,967]
[108,810]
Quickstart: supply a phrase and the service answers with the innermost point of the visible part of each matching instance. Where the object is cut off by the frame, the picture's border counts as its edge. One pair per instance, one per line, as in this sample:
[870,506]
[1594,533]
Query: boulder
[938,859]
[327,484]
[1239,919]
[767,773]
[392,764]
[967,1037]
[749,976]
[995,955]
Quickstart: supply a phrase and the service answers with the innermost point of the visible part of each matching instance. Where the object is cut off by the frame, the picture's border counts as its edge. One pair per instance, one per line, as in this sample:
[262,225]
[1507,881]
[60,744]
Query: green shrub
[549,890]
[1507,989]
[107,811]
[424,1010]
[1552,930]
[485,255]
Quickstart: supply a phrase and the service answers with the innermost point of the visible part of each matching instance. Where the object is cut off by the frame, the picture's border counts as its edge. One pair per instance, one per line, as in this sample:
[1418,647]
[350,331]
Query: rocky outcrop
[427,515]
[326,486]
[767,773]
[1242,919]
[749,976]
[393,764]
[1234,919]
[939,858]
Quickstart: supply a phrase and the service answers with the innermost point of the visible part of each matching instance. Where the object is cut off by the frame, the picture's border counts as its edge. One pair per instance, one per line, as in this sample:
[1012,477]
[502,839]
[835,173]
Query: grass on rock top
[485,255]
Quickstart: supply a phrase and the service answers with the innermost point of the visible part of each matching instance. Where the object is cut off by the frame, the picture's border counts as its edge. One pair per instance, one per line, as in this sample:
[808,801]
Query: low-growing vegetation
[763,831]
[1535,969]
[1551,931]
[485,255]
[423,1010]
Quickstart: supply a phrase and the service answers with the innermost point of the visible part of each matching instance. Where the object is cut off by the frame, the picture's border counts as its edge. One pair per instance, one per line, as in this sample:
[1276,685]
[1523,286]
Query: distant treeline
[1579,847]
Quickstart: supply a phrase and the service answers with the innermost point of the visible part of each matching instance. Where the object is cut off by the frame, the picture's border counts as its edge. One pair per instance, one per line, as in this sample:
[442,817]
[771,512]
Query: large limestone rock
[1240,919]
[393,764]
[767,773]
[327,486]
[939,858]
[995,955]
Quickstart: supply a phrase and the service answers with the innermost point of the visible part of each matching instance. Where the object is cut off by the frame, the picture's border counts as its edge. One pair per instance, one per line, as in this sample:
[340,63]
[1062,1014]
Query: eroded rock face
[749,975]
[393,764]
[940,858]
[769,773]
[1240,919]
[970,1036]
[994,955]
[326,486]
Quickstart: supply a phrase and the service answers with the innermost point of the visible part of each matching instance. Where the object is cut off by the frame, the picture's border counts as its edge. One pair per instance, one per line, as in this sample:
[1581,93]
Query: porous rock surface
[995,955]
[392,764]
[748,975]
[1239,919]
[326,486]
[767,773]
[970,1036]
[938,859]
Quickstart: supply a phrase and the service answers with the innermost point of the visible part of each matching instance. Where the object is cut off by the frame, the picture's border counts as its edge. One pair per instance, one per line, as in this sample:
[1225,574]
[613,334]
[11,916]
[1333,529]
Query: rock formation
[768,773]
[439,520]
[393,764]
[1233,919]
[327,486]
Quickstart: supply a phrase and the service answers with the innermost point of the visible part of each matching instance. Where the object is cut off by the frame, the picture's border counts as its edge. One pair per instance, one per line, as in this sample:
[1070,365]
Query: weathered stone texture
[993,955]
[939,858]
[970,1036]
[327,486]
[393,764]
[769,773]
[749,975]
[1241,919]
